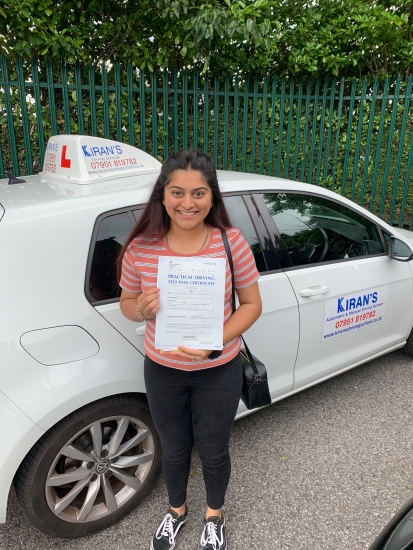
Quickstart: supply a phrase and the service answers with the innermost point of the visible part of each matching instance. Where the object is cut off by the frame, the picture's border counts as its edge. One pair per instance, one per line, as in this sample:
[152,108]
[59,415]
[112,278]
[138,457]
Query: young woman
[193,394]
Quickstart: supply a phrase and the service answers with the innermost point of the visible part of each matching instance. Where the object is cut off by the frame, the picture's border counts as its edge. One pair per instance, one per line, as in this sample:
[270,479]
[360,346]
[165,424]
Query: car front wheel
[91,469]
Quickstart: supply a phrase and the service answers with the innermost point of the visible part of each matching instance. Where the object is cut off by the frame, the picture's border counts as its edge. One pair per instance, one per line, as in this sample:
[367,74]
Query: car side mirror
[399,250]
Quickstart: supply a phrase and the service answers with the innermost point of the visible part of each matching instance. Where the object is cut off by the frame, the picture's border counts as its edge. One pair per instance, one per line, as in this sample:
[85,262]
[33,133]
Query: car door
[273,338]
[353,299]
[101,288]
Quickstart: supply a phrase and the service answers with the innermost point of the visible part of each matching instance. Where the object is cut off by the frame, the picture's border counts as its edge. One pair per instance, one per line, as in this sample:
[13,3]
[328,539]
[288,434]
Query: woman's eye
[199,194]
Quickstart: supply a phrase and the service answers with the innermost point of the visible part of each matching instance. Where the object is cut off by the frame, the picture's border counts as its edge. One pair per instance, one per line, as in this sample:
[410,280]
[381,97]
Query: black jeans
[194,406]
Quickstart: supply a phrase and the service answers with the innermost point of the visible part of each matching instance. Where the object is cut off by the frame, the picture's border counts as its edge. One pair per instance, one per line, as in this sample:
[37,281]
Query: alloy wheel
[100,469]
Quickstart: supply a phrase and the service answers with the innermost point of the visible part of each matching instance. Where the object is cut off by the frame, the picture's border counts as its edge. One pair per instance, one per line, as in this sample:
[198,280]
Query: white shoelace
[166,529]
[210,536]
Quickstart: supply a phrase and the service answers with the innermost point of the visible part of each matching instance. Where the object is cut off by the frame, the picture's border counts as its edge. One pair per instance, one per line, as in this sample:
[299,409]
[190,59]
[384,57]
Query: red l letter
[65,163]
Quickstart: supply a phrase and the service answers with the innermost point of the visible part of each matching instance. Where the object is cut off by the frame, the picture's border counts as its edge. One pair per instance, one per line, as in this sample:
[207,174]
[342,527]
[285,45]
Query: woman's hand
[148,303]
[192,354]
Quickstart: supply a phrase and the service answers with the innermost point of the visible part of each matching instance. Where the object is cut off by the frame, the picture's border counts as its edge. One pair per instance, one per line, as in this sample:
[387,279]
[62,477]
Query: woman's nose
[187,201]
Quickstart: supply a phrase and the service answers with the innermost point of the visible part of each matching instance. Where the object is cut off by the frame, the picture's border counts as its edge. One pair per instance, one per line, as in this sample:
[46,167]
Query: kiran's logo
[89,151]
[358,301]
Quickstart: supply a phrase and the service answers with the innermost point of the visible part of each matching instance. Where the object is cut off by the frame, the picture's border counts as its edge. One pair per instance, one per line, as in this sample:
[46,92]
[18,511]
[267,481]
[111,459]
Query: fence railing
[354,137]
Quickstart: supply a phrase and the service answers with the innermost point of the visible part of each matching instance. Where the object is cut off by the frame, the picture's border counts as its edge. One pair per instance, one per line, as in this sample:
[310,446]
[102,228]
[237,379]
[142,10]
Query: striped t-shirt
[140,272]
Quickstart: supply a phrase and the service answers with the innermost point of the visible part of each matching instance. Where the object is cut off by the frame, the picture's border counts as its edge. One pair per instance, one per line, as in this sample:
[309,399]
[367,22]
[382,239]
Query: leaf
[284,457]
[183,51]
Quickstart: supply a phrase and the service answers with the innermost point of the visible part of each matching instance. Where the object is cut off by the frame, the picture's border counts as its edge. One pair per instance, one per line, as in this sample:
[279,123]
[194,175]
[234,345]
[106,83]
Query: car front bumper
[18,434]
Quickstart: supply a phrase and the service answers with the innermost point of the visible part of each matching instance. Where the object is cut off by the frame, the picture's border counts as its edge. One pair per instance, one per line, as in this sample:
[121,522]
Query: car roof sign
[87,159]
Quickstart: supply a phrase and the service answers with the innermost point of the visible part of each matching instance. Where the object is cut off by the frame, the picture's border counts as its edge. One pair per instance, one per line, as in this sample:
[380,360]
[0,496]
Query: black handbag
[255,391]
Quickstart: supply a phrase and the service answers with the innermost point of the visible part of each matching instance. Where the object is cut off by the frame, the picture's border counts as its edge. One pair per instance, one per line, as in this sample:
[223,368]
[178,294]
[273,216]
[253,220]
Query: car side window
[112,233]
[315,229]
[240,219]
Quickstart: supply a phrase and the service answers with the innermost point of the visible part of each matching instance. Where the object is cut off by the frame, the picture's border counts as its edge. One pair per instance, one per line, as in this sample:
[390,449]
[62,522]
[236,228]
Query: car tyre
[408,347]
[91,469]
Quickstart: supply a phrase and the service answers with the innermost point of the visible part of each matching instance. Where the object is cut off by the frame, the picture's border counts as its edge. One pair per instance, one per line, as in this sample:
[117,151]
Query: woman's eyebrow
[182,189]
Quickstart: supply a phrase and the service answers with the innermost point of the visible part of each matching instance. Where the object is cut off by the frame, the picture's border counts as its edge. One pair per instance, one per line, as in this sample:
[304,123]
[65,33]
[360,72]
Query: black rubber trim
[272,230]
[267,245]
[128,211]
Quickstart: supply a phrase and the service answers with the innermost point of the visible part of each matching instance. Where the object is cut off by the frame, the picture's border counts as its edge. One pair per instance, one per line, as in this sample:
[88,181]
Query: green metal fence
[354,137]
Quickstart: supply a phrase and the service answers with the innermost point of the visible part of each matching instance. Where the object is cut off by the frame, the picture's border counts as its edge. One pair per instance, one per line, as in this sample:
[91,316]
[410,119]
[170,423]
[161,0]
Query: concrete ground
[324,470]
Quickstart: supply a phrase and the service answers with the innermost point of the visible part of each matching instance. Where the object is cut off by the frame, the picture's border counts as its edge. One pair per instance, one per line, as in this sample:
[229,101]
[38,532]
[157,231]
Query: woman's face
[187,199]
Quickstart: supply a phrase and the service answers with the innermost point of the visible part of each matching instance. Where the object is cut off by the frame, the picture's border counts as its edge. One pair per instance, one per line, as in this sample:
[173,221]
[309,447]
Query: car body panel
[45,214]
[58,345]
[318,356]
[58,389]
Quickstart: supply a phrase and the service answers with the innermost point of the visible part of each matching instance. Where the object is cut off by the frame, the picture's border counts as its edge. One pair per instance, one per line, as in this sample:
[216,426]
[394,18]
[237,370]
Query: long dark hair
[155,222]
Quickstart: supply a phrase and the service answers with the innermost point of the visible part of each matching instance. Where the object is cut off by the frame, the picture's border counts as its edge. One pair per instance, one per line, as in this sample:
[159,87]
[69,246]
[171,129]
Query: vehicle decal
[65,162]
[344,314]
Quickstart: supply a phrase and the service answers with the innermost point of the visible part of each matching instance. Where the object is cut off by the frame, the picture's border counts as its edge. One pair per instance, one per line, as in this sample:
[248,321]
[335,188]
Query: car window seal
[338,260]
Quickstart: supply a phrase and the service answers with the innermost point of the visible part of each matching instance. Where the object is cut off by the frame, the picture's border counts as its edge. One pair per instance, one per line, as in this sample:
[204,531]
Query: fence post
[131,122]
[358,139]
[25,118]
[9,114]
[368,142]
[142,114]
[389,144]
[92,99]
[195,104]
[39,117]
[165,109]
[297,129]
[378,143]
[407,98]
[313,130]
[118,100]
[50,90]
[154,111]
[235,127]
[339,111]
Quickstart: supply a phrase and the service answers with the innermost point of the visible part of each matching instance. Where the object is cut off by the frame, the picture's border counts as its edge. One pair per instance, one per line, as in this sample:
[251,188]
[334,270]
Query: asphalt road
[323,470]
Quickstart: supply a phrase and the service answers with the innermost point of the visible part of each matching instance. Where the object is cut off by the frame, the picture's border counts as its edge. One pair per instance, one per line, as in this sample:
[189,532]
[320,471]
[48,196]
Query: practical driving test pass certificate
[192,303]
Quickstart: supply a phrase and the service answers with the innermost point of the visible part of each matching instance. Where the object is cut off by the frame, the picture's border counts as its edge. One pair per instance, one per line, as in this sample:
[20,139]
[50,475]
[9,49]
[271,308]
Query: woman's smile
[187,214]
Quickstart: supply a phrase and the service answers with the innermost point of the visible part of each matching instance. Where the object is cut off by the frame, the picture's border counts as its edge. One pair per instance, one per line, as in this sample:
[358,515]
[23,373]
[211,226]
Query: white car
[77,438]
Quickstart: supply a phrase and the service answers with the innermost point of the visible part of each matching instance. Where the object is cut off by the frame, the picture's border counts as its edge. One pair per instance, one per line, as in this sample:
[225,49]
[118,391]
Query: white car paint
[45,235]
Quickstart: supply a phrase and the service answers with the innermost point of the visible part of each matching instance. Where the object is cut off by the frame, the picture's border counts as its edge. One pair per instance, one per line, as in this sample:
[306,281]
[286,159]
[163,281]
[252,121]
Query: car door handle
[140,330]
[313,291]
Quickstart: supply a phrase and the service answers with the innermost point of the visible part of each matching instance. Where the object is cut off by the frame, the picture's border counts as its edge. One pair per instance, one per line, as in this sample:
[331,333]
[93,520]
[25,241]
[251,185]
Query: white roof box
[86,159]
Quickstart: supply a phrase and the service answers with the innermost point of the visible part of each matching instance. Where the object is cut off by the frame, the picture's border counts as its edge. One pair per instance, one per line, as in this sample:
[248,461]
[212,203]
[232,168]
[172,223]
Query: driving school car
[77,438]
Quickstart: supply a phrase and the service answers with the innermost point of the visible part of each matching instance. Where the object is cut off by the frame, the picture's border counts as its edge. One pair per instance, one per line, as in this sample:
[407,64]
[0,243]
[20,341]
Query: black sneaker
[164,538]
[213,536]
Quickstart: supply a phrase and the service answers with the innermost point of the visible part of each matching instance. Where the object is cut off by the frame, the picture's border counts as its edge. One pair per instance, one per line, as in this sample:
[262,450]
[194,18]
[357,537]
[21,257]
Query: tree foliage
[294,37]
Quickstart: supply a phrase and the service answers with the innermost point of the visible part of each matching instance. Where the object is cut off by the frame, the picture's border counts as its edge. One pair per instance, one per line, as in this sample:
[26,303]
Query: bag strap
[231,266]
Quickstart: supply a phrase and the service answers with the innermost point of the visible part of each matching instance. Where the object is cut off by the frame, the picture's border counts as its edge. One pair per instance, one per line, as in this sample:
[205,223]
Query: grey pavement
[324,469]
